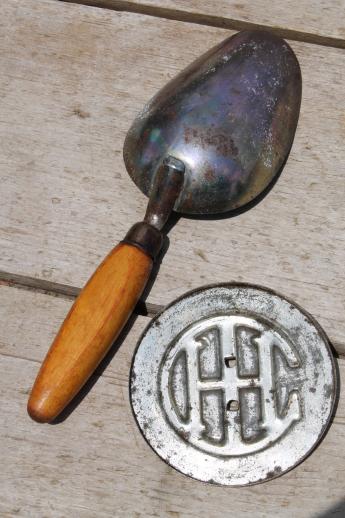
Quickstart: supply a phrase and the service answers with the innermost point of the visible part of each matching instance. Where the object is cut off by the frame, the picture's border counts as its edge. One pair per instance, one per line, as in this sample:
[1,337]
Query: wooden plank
[95,463]
[316,22]
[39,316]
[63,290]
[73,79]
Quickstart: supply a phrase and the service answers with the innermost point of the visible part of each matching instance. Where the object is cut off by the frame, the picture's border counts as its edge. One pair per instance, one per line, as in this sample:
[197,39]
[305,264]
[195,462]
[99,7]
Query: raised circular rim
[293,305]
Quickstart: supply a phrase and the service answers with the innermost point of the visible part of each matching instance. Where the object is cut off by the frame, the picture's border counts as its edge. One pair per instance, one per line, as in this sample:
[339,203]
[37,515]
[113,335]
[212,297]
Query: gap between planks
[65,291]
[210,20]
[97,373]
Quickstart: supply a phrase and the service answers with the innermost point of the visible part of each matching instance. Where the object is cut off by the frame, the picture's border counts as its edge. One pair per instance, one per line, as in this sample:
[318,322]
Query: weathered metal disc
[233,384]
[230,117]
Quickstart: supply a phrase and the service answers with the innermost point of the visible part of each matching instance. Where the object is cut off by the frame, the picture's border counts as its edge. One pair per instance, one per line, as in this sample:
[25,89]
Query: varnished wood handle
[93,323]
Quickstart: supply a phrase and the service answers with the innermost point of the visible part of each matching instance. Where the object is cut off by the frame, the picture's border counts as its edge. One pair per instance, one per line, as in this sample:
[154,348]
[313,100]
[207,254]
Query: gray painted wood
[73,79]
[321,22]
[96,463]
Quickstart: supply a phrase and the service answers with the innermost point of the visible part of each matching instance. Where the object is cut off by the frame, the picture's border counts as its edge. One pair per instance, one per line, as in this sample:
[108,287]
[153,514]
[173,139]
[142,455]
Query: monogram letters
[228,385]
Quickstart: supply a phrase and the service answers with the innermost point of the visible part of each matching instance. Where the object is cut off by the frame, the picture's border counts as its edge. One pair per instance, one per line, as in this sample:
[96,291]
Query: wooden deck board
[73,79]
[96,463]
[306,20]
[41,316]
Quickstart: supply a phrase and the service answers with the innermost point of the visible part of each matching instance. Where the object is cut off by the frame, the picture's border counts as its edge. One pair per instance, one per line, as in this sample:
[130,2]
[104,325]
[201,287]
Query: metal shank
[166,187]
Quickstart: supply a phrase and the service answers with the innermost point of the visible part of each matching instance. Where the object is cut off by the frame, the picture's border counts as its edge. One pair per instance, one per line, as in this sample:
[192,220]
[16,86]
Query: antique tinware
[233,384]
[230,117]
[213,140]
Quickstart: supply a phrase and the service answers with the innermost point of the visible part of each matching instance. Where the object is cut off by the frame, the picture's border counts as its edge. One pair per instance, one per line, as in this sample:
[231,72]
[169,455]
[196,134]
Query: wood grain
[36,318]
[320,22]
[95,463]
[73,78]
[93,323]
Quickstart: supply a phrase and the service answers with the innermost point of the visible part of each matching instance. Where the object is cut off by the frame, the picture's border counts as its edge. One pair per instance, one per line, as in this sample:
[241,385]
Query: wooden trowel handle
[93,323]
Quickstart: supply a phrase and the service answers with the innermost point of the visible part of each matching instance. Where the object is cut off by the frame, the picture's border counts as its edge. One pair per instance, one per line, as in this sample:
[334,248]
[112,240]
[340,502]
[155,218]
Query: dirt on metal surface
[233,384]
[230,117]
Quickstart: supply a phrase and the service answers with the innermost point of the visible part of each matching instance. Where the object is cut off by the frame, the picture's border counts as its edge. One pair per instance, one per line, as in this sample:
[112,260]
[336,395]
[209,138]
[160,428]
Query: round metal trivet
[233,384]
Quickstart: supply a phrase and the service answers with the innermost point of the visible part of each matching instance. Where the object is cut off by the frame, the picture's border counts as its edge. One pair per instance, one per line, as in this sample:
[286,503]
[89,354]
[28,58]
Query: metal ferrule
[146,237]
